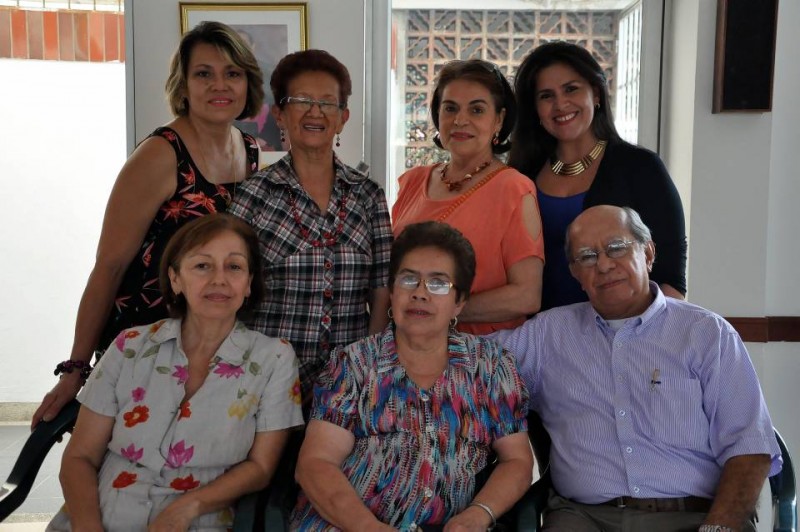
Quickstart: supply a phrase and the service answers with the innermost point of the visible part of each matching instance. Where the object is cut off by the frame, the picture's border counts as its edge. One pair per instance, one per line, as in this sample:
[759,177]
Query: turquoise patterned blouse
[417,451]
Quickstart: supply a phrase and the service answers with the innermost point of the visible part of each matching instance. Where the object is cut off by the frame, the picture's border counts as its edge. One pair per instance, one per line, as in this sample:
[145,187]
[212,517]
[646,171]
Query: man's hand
[63,392]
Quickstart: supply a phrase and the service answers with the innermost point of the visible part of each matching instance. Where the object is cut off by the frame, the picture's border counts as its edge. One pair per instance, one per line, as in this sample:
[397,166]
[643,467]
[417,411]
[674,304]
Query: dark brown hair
[488,75]
[440,236]
[201,231]
[304,61]
[231,45]
[533,145]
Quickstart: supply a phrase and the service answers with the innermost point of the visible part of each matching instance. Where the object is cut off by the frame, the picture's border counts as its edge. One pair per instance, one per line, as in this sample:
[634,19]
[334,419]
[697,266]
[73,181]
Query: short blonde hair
[231,45]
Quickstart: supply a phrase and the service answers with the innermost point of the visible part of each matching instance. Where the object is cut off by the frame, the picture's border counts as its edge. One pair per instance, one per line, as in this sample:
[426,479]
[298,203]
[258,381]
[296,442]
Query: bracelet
[488,511]
[69,365]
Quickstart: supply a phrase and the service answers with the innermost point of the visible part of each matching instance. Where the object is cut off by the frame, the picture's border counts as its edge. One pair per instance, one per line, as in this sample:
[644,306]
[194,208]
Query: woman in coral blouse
[493,205]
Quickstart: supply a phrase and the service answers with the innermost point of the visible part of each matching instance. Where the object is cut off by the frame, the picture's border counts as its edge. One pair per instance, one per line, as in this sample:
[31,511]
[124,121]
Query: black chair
[530,508]
[23,474]
[257,511]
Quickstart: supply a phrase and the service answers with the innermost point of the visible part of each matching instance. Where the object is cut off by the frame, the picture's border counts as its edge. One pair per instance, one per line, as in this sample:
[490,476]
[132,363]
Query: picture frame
[273,30]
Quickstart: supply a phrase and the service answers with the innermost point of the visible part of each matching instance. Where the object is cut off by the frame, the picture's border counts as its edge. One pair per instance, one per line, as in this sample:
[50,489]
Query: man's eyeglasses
[435,285]
[305,104]
[616,249]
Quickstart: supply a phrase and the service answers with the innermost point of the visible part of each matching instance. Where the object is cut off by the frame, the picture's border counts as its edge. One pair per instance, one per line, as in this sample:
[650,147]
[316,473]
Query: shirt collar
[233,349]
[282,172]
[460,355]
[658,304]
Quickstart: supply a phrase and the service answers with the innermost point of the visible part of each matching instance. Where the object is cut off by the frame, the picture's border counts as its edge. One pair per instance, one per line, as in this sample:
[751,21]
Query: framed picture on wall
[272,30]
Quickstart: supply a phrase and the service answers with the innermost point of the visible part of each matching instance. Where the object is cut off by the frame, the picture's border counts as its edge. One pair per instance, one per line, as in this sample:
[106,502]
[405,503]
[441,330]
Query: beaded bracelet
[488,511]
[69,365]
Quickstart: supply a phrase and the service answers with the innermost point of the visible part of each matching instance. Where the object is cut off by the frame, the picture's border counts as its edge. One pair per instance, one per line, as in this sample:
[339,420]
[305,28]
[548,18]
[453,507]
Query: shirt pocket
[674,413]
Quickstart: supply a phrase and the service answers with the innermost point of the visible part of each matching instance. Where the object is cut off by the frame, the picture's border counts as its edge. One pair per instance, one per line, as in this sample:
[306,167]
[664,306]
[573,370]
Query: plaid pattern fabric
[316,296]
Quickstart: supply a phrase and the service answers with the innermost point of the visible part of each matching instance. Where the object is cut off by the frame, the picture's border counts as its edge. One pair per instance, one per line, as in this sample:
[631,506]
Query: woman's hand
[471,519]
[62,393]
[177,516]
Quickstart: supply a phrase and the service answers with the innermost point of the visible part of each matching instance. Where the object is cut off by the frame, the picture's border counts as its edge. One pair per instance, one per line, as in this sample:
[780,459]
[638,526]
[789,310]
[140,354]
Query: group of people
[226,304]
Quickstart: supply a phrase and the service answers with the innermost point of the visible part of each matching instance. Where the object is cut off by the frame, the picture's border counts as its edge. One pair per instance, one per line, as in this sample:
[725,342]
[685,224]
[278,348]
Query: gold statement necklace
[456,185]
[559,167]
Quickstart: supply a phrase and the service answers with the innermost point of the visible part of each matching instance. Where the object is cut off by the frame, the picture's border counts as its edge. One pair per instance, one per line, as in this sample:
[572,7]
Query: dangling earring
[597,106]
[453,323]
[283,136]
[496,139]
[390,313]
[337,140]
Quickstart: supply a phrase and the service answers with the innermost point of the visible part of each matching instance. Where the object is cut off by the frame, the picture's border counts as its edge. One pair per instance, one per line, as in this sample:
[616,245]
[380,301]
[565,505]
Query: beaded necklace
[329,239]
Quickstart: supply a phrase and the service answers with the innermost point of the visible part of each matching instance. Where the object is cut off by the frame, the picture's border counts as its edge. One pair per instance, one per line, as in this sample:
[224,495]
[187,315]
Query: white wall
[62,142]
[338,27]
[744,190]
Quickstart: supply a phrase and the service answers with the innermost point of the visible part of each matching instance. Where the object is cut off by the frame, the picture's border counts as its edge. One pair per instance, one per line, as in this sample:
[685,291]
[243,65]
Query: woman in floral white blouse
[182,417]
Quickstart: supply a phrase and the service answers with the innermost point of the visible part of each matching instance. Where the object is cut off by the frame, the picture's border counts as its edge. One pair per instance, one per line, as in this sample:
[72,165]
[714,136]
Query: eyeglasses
[616,249]
[434,285]
[305,104]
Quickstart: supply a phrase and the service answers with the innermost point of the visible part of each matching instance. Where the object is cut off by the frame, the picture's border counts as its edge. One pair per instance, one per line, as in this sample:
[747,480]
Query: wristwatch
[714,528]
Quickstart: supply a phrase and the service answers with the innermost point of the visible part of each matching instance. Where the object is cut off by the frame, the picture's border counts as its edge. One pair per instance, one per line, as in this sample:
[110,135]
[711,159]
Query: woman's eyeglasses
[616,249]
[435,285]
[305,104]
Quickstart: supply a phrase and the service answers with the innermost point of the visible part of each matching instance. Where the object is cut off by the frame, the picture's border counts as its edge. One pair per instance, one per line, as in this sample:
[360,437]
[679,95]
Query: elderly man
[654,409]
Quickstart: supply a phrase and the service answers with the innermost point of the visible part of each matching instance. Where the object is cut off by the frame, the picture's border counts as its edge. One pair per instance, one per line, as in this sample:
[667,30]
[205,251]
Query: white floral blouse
[162,446]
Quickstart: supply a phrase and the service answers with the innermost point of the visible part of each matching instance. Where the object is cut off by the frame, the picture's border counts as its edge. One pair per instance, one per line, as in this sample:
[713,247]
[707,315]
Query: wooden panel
[35,35]
[769,329]
[97,40]
[19,35]
[111,36]
[66,40]
[5,33]
[50,30]
[81,22]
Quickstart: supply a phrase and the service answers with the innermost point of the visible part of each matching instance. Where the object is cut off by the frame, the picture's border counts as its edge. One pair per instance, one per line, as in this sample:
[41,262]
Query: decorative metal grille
[433,37]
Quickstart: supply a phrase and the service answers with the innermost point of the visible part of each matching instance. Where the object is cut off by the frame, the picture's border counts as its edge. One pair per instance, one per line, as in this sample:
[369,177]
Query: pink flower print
[229,370]
[119,341]
[132,453]
[138,394]
[182,374]
[179,454]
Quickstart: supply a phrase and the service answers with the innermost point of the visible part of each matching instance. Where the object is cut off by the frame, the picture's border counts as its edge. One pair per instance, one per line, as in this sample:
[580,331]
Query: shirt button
[328,265]
[325,346]
[628,450]
[429,428]
[412,526]
[428,493]
[635,489]
[326,320]
[327,292]
[425,398]
[622,413]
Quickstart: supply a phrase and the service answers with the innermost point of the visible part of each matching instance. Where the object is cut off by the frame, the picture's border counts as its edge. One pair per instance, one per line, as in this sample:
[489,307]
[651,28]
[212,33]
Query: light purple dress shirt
[652,410]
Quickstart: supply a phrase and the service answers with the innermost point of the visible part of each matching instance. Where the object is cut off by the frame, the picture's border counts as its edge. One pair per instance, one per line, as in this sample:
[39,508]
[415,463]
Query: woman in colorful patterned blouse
[182,417]
[406,419]
[191,167]
[324,226]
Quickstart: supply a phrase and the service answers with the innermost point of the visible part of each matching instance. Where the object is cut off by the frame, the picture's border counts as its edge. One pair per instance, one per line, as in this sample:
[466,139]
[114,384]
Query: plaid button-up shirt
[316,297]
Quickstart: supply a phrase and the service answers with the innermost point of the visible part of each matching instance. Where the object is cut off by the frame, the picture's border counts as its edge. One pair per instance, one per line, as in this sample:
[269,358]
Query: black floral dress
[138,300]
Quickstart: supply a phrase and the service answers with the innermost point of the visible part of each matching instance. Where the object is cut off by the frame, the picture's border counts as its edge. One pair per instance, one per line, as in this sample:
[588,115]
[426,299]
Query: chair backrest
[23,474]
[784,493]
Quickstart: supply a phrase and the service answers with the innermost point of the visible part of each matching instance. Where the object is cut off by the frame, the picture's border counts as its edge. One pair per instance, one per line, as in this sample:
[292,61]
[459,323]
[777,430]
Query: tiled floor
[45,497]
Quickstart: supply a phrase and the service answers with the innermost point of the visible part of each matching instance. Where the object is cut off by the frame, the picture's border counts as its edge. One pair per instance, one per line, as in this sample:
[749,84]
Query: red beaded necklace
[330,239]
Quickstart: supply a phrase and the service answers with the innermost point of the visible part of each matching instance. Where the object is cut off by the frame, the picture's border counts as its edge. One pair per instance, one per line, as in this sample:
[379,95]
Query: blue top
[558,286]
[654,409]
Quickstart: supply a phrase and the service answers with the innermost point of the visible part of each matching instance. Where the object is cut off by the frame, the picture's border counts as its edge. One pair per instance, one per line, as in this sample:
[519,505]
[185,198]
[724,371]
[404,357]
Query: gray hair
[634,224]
